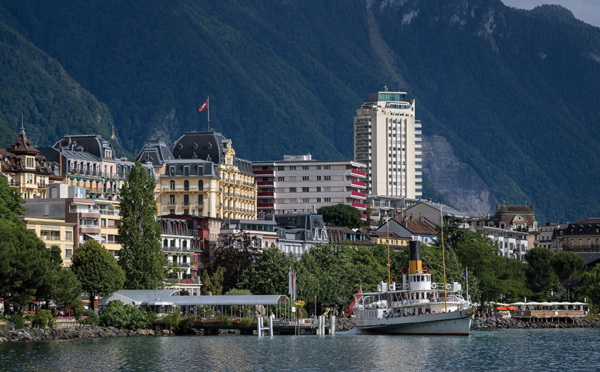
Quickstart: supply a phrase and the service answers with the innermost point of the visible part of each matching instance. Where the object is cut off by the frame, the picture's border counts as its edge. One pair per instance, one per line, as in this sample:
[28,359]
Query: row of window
[304,167]
[308,200]
[304,178]
[186,185]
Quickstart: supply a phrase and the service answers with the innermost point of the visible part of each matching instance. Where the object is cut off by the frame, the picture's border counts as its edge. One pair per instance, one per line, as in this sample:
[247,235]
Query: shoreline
[512,323]
[74,332]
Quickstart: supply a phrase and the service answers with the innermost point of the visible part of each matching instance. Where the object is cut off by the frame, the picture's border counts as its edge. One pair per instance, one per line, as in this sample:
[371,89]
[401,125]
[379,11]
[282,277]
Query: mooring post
[332,325]
[271,321]
[259,326]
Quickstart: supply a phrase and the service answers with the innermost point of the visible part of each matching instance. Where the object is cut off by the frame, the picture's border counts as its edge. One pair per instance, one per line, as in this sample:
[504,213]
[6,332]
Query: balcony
[359,173]
[359,206]
[264,205]
[261,172]
[264,183]
[359,184]
[358,195]
[264,193]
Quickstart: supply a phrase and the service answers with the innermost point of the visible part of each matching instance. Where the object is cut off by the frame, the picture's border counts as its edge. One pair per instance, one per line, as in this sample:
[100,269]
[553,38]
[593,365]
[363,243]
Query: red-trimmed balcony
[359,206]
[356,172]
[264,193]
[264,205]
[261,172]
[358,195]
[359,184]
[264,183]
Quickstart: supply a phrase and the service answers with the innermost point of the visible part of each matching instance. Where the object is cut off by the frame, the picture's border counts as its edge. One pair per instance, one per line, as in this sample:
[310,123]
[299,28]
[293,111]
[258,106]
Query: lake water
[522,350]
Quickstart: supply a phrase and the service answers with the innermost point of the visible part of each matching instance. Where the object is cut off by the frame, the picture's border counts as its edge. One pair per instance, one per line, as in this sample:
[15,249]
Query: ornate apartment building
[387,138]
[201,176]
[26,169]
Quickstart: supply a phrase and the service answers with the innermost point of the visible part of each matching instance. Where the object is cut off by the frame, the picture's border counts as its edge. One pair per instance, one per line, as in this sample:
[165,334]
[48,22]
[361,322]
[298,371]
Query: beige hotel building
[387,138]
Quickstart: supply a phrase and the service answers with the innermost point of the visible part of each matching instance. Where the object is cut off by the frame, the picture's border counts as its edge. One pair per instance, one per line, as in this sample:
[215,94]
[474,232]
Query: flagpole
[467,280]
[208,100]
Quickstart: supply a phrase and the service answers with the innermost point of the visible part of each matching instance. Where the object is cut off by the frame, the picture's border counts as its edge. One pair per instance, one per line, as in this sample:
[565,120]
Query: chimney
[411,216]
[531,206]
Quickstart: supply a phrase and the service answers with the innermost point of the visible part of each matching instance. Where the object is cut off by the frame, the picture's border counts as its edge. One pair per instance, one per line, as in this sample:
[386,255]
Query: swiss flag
[353,303]
[204,106]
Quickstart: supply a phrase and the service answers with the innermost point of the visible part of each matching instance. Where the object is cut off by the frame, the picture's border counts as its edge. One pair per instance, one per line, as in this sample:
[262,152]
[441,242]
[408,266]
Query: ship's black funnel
[414,251]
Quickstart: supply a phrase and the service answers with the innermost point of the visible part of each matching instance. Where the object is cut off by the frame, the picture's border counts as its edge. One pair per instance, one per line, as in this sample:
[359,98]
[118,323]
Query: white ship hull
[457,323]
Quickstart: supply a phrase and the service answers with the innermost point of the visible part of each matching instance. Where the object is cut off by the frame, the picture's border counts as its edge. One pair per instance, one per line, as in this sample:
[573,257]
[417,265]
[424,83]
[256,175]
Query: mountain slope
[38,90]
[514,93]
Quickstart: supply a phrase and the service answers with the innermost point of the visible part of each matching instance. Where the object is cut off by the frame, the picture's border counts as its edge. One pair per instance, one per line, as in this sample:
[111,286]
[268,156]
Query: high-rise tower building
[387,138]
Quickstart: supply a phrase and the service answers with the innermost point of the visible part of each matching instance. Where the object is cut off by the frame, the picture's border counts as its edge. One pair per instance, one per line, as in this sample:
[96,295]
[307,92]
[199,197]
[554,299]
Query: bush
[18,321]
[42,318]
[117,315]
[172,320]
[88,317]
[224,320]
[185,325]
[245,322]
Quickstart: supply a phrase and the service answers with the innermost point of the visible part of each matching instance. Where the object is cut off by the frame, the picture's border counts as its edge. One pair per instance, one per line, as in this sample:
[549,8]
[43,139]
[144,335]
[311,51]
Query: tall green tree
[97,270]
[269,274]
[541,278]
[141,256]
[60,284]
[235,254]
[11,202]
[341,215]
[568,266]
[23,262]
[591,285]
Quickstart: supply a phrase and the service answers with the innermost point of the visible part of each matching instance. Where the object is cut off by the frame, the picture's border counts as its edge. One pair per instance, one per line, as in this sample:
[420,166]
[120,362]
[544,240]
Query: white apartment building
[511,243]
[387,138]
[301,184]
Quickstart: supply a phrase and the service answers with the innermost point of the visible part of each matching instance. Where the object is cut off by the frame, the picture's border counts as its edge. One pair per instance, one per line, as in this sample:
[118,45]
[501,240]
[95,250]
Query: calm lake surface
[522,350]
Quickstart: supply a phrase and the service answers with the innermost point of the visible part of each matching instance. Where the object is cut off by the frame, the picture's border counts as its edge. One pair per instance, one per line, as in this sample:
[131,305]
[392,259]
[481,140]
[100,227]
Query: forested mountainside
[512,95]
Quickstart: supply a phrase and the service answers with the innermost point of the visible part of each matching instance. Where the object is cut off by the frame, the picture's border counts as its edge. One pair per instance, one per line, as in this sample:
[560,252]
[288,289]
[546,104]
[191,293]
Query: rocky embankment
[343,324]
[511,323]
[76,332]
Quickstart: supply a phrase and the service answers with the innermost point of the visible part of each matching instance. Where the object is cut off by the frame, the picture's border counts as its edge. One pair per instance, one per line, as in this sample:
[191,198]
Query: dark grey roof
[589,257]
[195,167]
[210,146]
[201,145]
[156,152]
[92,143]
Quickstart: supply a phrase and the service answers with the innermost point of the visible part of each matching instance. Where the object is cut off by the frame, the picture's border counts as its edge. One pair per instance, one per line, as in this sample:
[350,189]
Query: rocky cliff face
[464,188]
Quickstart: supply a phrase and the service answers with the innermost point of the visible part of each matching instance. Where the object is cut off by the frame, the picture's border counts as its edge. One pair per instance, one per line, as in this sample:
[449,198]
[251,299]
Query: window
[172,199]
[200,185]
[186,170]
[318,178]
[318,167]
[293,167]
[186,211]
[305,200]
[171,211]
[318,188]
[305,167]
[305,178]
[69,235]
[172,185]
[293,200]
[68,254]
[186,200]
[327,178]
[280,179]
[292,189]
[103,222]
[318,200]
[305,189]
[280,168]
[200,199]
[327,200]
[327,167]
[186,185]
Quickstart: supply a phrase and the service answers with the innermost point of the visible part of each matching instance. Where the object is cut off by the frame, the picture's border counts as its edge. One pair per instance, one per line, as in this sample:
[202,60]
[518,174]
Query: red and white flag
[204,106]
[353,303]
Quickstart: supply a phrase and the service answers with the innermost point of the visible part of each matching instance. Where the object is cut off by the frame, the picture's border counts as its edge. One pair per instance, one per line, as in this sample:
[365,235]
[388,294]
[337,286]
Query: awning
[96,237]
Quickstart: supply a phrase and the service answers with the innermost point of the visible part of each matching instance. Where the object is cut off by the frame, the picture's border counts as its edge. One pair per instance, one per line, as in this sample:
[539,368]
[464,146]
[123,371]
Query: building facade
[26,169]
[511,243]
[388,139]
[201,176]
[578,236]
[297,233]
[301,184]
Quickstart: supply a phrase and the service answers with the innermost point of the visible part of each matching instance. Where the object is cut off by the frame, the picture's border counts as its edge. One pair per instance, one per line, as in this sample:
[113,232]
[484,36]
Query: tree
[60,283]
[213,283]
[541,277]
[591,285]
[11,202]
[568,266]
[341,215]
[235,254]
[269,274]
[141,256]
[23,262]
[97,270]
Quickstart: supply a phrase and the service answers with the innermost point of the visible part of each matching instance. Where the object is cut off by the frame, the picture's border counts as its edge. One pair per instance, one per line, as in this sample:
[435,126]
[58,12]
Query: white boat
[419,307]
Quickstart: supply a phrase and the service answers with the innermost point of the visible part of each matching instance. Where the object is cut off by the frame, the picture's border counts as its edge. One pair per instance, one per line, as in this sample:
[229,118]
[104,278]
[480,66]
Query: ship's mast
[443,259]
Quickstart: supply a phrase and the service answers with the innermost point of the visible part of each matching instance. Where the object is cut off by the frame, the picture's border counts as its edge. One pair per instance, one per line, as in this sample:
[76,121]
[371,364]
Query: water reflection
[483,350]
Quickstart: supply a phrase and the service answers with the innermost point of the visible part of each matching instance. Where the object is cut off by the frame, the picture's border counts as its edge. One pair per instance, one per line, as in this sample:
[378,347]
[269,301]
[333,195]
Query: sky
[585,10]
